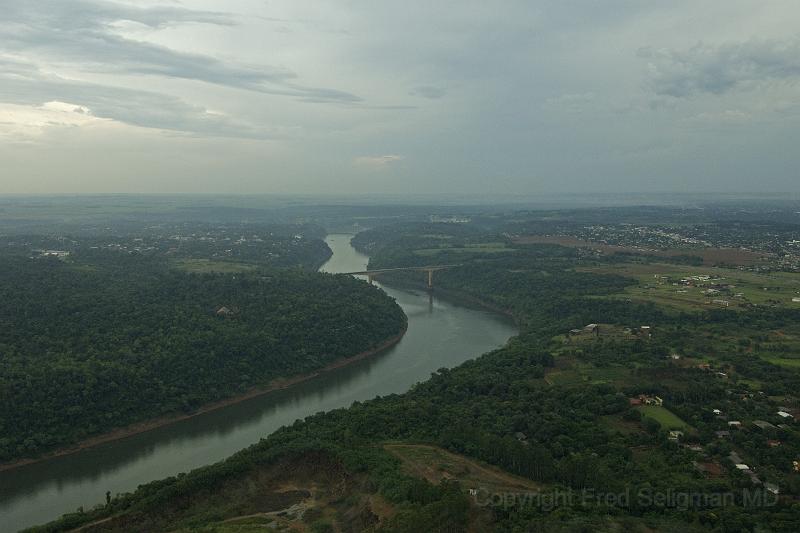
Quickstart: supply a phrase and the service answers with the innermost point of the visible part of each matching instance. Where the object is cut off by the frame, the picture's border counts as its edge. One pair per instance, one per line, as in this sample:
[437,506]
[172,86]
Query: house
[772,487]
[785,415]
[594,329]
[717,412]
[773,443]
[796,300]
[762,424]
[634,401]
[650,400]
[675,435]
[735,424]
[675,357]
[224,311]
[743,467]
[722,434]
[646,331]
[723,303]
[734,458]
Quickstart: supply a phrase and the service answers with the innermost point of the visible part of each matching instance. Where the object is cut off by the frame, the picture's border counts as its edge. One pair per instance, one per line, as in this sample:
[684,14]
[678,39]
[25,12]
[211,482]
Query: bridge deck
[417,268]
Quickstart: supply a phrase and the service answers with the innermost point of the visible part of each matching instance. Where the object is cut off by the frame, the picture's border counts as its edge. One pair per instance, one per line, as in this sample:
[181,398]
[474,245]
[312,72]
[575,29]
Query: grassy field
[661,284]
[564,377]
[435,464]
[663,416]
[784,361]
[710,256]
[478,248]
[615,375]
[205,266]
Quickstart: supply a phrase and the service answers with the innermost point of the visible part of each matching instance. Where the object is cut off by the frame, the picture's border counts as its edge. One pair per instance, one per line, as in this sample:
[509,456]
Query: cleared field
[663,416]
[564,377]
[710,256]
[206,266]
[478,248]
[435,464]
[616,375]
[784,361]
[662,284]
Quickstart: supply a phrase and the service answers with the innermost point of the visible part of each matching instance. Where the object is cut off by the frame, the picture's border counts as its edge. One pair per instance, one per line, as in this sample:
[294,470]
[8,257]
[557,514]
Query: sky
[403,97]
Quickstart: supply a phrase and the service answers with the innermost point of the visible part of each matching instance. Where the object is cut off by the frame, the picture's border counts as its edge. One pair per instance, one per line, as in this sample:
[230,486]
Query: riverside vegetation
[675,408]
[101,338]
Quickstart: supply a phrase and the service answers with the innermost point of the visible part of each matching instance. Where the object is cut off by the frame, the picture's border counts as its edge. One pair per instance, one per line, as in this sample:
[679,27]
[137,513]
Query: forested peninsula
[99,340]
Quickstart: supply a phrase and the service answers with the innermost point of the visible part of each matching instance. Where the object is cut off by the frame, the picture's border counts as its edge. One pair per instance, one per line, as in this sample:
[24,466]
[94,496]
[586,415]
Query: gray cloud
[428,91]
[22,83]
[79,33]
[719,69]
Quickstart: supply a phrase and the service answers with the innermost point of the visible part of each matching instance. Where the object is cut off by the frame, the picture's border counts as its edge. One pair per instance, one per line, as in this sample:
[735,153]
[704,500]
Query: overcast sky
[248,96]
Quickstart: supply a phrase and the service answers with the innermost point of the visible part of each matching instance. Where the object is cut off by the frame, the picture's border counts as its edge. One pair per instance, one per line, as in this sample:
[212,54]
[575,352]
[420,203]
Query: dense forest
[558,406]
[106,338]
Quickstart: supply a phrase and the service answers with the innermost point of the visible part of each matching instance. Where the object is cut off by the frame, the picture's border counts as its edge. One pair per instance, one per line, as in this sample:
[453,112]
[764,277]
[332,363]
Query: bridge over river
[440,334]
[430,269]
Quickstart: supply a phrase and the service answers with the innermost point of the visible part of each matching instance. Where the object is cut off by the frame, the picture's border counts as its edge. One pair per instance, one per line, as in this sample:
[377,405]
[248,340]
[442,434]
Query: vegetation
[551,413]
[107,339]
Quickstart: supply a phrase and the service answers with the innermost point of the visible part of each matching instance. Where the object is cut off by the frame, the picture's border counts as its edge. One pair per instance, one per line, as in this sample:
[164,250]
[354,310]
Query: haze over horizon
[251,97]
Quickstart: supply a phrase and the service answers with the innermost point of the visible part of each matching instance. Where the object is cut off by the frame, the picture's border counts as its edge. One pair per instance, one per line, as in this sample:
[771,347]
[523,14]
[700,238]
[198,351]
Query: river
[440,334]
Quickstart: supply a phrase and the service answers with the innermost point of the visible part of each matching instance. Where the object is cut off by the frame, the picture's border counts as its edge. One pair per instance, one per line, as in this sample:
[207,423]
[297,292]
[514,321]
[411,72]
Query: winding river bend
[440,334]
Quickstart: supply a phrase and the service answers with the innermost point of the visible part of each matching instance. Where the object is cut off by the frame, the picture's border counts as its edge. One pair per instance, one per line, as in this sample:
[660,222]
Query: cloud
[571,102]
[720,69]
[377,161]
[428,91]
[726,116]
[20,123]
[24,85]
[81,33]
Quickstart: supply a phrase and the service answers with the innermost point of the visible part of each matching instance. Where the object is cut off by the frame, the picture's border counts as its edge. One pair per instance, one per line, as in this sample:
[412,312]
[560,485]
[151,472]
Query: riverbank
[148,425]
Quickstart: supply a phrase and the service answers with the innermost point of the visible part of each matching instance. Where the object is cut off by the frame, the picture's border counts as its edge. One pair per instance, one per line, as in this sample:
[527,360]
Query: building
[649,400]
[763,424]
[224,311]
[675,435]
